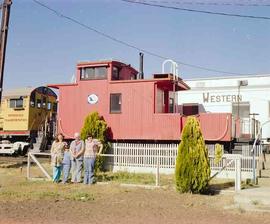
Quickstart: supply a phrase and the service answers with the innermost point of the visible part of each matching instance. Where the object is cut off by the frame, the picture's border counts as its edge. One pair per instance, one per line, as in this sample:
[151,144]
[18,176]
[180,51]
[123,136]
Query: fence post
[157,172]
[254,165]
[238,173]
[28,165]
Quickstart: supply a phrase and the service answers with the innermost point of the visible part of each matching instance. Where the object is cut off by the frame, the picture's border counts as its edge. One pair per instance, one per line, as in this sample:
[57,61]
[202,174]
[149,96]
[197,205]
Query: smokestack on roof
[141,74]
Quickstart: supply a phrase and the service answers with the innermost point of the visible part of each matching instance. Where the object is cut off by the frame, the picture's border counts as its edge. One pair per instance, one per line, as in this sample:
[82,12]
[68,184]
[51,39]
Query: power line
[108,36]
[205,3]
[147,3]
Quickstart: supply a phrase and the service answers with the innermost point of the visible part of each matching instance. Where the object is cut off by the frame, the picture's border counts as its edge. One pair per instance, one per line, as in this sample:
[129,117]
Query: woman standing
[57,153]
[93,147]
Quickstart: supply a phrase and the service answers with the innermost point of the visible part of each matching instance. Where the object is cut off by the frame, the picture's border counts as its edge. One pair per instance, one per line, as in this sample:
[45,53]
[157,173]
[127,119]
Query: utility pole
[3,40]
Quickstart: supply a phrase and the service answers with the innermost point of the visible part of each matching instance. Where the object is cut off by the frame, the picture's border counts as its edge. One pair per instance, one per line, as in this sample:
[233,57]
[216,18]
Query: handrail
[62,131]
[221,169]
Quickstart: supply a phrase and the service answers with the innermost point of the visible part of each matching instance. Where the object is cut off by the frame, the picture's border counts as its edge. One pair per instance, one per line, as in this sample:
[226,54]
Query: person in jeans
[76,150]
[66,165]
[93,147]
[57,153]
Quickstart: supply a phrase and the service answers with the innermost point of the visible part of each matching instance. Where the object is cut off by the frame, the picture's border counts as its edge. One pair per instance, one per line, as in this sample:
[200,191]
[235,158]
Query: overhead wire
[148,3]
[212,3]
[124,43]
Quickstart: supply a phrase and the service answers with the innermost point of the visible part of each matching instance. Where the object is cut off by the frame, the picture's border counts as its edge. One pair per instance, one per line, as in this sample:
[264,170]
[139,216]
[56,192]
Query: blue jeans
[56,173]
[76,170]
[66,170]
[89,167]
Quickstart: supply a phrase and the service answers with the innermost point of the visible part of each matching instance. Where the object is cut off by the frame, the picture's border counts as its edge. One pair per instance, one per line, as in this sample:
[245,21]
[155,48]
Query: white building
[221,94]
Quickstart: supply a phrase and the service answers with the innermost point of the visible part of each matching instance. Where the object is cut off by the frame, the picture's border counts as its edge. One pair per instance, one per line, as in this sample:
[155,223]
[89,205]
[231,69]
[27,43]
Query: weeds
[80,196]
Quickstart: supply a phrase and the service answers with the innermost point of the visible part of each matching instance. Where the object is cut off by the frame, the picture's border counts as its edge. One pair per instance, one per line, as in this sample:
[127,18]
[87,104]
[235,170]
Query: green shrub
[218,153]
[97,127]
[192,172]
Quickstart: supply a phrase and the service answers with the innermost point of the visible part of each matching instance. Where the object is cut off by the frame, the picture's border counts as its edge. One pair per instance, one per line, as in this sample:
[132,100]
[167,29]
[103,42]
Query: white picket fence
[145,158]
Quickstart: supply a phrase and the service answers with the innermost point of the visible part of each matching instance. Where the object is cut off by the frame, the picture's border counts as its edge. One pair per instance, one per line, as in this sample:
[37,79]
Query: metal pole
[238,102]
[3,40]
[174,109]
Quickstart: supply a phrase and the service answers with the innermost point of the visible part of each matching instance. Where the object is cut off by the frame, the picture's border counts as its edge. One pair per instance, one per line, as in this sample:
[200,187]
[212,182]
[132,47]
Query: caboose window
[93,73]
[16,103]
[115,103]
[115,73]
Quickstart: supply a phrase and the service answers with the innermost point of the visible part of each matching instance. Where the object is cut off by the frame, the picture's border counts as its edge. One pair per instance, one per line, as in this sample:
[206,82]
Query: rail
[32,157]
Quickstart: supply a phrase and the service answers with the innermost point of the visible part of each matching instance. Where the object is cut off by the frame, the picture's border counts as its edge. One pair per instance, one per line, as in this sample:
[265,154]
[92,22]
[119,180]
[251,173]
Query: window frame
[15,103]
[82,73]
[193,107]
[32,100]
[44,102]
[120,103]
[113,78]
[39,103]
[54,107]
[49,105]
[241,104]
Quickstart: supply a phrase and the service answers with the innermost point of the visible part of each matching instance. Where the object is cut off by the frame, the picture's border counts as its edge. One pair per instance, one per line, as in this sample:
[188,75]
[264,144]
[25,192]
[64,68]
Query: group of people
[72,159]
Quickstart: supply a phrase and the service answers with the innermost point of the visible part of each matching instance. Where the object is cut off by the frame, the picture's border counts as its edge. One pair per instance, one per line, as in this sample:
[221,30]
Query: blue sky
[43,48]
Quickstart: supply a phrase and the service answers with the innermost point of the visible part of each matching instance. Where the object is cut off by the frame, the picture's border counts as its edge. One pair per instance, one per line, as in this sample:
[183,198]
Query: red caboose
[134,108]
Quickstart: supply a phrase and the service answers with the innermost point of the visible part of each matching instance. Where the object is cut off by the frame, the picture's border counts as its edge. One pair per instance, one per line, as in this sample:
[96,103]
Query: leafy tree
[192,170]
[97,127]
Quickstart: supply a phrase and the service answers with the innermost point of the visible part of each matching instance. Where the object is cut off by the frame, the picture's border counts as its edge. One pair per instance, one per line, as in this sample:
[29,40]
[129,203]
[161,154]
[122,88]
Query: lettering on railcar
[222,98]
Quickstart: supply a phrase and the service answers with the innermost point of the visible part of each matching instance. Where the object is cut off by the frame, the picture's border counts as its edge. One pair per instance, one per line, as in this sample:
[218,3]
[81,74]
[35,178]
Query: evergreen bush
[218,153]
[97,127]
[192,172]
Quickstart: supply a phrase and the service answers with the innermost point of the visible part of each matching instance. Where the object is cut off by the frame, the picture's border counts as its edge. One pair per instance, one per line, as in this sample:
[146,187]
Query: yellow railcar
[26,115]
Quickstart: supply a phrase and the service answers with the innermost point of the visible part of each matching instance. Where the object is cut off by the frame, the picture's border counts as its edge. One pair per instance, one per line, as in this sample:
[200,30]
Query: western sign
[211,98]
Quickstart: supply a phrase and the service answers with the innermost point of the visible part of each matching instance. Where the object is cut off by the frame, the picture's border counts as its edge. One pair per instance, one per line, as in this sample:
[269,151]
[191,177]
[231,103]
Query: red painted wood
[138,120]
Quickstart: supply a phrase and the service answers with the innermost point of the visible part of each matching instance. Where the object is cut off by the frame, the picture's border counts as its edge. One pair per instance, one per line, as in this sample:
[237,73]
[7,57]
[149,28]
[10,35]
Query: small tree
[97,127]
[192,170]
[218,153]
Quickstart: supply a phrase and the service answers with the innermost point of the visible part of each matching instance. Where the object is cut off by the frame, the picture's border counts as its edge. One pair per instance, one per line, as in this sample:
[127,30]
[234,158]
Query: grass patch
[125,177]
[15,187]
[80,196]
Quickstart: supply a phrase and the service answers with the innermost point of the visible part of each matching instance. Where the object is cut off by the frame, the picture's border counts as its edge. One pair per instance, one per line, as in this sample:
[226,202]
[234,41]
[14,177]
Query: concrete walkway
[255,199]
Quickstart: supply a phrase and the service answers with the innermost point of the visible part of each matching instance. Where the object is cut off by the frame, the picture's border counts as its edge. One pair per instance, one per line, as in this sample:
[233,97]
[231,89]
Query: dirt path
[129,206]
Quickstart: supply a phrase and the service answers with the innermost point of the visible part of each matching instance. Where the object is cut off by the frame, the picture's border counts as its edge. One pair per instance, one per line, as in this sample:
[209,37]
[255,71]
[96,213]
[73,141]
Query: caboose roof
[104,63]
